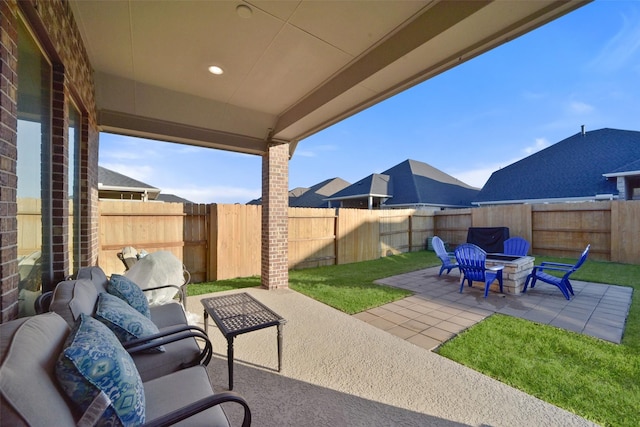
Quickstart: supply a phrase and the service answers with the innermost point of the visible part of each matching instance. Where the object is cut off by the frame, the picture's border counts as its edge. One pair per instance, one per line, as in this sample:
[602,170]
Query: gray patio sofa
[71,298]
[31,391]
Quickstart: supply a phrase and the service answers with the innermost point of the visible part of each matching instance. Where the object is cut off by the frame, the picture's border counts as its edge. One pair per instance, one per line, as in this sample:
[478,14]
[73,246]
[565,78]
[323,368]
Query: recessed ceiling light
[244,11]
[214,69]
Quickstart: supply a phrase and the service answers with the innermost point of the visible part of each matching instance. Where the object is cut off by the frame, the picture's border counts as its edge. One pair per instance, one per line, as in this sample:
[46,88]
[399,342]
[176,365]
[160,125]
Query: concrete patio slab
[341,371]
[596,310]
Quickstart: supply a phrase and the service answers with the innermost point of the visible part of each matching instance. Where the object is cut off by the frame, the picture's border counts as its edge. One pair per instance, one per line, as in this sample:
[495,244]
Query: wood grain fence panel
[516,217]
[452,226]
[625,232]
[29,218]
[564,230]
[312,238]
[358,235]
[395,231]
[422,227]
[145,226]
[195,234]
[236,243]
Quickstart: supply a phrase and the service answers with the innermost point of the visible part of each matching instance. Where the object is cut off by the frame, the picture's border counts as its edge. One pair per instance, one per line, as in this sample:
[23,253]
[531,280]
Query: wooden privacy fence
[224,241]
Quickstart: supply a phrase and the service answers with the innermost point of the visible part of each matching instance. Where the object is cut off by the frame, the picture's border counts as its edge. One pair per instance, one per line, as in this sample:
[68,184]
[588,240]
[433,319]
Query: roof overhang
[358,196]
[549,200]
[621,174]
[291,68]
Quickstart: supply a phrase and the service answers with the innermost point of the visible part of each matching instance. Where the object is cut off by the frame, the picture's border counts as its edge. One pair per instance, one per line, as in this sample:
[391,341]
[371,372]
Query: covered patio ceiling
[291,68]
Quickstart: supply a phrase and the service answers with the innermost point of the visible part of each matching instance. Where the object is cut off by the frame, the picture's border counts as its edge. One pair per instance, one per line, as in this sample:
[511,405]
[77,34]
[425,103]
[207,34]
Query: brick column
[275,217]
[8,154]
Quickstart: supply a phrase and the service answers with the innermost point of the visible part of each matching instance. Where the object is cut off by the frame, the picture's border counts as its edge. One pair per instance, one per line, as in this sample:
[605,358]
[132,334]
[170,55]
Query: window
[33,170]
[73,173]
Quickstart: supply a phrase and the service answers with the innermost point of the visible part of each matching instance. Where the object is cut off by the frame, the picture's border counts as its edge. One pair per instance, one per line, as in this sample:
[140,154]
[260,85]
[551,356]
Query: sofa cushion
[126,322]
[29,390]
[99,376]
[96,275]
[177,355]
[169,314]
[72,298]
[128,291]
[171,392]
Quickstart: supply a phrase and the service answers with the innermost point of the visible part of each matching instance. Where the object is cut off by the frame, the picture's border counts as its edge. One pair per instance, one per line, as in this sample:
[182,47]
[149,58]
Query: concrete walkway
[438,311]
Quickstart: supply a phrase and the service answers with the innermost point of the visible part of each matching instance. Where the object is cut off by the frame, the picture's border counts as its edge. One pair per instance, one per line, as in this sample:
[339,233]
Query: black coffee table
[237,314]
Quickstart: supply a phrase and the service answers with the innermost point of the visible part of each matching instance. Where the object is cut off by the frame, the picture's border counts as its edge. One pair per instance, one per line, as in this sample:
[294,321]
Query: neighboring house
[114,185]
[314,196]
[597,165]
[409,184]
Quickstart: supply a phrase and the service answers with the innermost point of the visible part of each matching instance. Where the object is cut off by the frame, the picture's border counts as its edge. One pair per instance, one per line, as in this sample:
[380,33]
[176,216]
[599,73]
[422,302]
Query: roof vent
[583,131]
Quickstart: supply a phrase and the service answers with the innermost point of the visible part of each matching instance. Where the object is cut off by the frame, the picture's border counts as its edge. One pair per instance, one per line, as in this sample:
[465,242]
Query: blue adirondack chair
[471,261]
[516,246]
[445,257]
[563,282]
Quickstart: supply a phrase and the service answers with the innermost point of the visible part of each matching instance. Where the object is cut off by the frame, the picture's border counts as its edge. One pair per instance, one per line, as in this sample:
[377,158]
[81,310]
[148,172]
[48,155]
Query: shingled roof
[311,197]
[109,180]
[315,196]
[412,183]
[571,170]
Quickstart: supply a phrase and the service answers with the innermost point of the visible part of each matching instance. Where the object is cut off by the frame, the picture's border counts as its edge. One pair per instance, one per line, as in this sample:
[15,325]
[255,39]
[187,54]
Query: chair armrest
[43,302]
[179,288]
[171,335]
[495,268]
[560,264]
[201,405]
[555,268]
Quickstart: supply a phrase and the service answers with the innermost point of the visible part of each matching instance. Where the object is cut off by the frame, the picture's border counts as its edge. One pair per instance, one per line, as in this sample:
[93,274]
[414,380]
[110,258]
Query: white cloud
[475,177]
[479,176]
[622,47]
[539,144]
[577,107]
[138,172]
[305,153]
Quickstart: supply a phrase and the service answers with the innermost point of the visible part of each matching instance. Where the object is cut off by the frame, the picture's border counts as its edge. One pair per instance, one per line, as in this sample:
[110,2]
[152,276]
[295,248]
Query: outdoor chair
[516,246]
[445,257]
[471,261]
[563,282]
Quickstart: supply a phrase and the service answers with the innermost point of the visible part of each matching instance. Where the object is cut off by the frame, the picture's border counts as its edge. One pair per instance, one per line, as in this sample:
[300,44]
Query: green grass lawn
[347,287]
[595,379]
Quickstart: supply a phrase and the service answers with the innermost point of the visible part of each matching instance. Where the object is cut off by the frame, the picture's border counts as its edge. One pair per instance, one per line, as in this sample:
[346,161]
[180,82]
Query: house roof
[632,168]
[571,169]
[315,196]
[291,68]
[172,198]
[109,180]
[412,183]
[376,185]
[114,181]
[312,197]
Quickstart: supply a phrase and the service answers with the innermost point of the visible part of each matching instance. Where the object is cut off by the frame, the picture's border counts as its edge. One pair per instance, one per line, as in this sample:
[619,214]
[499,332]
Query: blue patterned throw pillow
[100,377]
[127,290]
[125,321]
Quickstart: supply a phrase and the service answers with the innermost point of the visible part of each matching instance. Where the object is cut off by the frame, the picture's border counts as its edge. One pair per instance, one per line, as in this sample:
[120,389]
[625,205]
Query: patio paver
[438,311]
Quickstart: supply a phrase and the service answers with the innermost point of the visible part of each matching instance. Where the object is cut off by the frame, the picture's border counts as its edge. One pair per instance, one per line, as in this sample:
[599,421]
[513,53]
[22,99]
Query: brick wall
[8,155]
[275,220]
[52,23]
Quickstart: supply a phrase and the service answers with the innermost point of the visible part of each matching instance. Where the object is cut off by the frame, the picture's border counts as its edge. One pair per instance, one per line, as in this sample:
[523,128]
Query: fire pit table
[515,272]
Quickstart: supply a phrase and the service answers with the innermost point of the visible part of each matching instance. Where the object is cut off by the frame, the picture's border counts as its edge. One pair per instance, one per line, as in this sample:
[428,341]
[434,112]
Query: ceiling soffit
[291,69]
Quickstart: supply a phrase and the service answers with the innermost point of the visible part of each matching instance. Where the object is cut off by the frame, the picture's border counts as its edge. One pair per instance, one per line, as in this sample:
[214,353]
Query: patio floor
[340,371]
[438,311]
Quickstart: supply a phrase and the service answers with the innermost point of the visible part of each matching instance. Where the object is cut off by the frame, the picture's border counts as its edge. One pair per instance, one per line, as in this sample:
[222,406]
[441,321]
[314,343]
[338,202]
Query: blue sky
[582,69]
